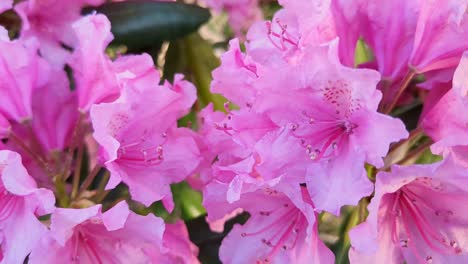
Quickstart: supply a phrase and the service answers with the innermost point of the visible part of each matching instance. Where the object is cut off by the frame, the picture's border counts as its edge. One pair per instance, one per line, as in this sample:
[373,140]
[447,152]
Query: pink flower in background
[50,21]
[5,5]
[20,204]
[141,143]
[281,229]
[418,215]
[91,236]
[413,36]
[440,37]
[242,13]
[22,72]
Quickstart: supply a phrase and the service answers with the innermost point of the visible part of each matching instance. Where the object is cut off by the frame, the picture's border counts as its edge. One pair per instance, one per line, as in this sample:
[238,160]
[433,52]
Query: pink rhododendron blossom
[299,117]
[141,142]
[440,37]
[22,72]
[53,123]
[242,13]
[408,40]
[418,215]
[50,131]
[50,21]
[177,247]
[336,120]
[92,236]
[446,122]
[281,229]
[20,204]
[96,80]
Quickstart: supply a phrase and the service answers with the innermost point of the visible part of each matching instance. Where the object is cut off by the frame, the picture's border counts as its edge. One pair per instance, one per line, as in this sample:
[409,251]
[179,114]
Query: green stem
[77,171]
[415,153]
[60,192]
[345,243]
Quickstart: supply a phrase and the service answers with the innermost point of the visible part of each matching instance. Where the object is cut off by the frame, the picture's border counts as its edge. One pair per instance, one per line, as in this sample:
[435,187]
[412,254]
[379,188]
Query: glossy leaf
[143,23]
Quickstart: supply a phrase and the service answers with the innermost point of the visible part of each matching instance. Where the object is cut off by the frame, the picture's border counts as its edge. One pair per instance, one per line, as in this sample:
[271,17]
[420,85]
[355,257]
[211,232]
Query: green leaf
[144,23]
[194,57]
[188,200]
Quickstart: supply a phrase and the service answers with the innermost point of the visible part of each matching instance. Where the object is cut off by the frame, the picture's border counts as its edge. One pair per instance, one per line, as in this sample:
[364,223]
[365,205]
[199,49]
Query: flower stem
[102,193]
[415,153]
[36,157]
[87,182]
[404,84]
[77,171]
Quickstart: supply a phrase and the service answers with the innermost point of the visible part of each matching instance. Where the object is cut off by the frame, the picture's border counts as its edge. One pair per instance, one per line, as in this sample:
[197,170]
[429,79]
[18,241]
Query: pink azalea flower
[91,236]
[20,204]
[418,215]
[141,143]
[50,21]
[281,229]
[440,37]
[235,63]
[177,247]
[53,124]
[303,23]
[446,121]
[22,72]
[96,79]
[242,13]
[324,125]
[408,40]
[49,131]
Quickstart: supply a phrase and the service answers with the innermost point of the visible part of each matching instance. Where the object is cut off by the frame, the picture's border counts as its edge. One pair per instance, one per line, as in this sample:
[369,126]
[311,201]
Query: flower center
[281,39]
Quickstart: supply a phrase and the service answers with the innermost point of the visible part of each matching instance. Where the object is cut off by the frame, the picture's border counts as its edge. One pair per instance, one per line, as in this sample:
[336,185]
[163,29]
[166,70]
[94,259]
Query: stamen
[284,37]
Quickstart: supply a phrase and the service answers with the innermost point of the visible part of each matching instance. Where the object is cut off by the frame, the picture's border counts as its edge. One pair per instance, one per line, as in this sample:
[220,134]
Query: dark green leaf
[194,57]
[141,24]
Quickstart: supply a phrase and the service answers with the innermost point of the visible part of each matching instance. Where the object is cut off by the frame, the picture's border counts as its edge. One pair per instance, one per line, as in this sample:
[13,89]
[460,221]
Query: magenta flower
[20,204]
[90,236]
[22,72]
[418,215]
[141,143]
[50,22]
[281,229]
[446,121]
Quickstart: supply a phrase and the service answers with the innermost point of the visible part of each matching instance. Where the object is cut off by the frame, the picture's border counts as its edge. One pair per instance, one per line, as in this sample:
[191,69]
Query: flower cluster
[307,120]
[242,13]
[315,120]
[117,113]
